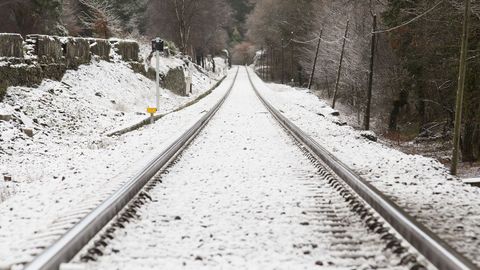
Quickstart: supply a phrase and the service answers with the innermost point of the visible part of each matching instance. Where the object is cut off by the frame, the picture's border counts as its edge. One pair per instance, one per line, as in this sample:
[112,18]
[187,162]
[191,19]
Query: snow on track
[243,196]
[421,186]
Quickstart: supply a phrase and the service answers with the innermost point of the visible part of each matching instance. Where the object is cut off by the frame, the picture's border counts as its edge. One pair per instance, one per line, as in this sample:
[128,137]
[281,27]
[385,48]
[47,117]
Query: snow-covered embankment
[420,185]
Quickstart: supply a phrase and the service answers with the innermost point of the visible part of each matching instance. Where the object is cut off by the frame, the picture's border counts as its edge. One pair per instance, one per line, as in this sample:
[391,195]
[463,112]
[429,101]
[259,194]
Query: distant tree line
[197,27]
[96,18]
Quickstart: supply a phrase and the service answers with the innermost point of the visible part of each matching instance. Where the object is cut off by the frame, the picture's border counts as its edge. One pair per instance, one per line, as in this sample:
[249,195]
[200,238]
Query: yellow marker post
[152,112]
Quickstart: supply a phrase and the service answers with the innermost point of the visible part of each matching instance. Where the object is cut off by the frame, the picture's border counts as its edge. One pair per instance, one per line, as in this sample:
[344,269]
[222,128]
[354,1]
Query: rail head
[65,248]
[438,252]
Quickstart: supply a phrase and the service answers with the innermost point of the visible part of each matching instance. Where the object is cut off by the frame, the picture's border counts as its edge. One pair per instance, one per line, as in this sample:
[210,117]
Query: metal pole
[315,61]
[340,67]
[370,75]
[461,88]
[157,82]
[292,76]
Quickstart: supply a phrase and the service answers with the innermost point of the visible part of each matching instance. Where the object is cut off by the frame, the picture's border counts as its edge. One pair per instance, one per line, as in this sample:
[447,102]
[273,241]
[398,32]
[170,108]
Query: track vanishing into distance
[268,198]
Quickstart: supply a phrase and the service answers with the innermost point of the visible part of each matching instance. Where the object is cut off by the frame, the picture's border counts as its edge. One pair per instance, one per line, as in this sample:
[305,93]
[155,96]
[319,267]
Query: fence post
[340,66]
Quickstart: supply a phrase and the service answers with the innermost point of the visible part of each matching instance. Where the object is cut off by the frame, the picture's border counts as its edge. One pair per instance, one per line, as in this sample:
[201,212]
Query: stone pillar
[76,51]
[100,48]
[127,49]
[48,49]
[11,45]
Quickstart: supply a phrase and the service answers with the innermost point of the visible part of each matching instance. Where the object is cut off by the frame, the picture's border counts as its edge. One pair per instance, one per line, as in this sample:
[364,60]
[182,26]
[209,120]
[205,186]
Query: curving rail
[425,241]
[77,237]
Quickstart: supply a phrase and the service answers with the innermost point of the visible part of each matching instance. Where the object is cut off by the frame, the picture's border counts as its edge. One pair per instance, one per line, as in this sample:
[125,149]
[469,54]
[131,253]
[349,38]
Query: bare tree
[277,24]
[99,18]
[198,27]
[70,18]
[28,17]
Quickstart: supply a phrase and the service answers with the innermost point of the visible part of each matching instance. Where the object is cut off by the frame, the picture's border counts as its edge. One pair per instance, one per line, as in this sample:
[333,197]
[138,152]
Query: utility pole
[370,75]
[315,61]
[461,88]
[283,65]
[340,67]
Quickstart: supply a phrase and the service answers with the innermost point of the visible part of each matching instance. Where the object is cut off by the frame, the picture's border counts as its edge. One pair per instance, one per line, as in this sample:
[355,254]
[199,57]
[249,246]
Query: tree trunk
[421,106]
[395,113]
[469,144]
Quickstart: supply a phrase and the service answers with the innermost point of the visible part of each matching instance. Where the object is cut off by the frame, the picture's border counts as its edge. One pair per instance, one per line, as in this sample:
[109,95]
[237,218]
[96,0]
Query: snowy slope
[85,105]
[69,161]
[419,184]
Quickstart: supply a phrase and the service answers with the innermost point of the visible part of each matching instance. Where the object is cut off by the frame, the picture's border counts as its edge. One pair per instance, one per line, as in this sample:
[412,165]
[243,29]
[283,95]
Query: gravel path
[244,196]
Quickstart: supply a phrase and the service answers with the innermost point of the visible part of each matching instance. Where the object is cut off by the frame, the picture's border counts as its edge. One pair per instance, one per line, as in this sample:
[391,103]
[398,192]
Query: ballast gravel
[244,196]
[420,185]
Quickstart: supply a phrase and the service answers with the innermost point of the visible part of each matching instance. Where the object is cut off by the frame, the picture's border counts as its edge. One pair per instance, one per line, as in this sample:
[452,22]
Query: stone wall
[174,81]
[126,48]
[76,52]
[21,73]
[3,89]
[11,45]
[46,49]
[27,62]
[100,47]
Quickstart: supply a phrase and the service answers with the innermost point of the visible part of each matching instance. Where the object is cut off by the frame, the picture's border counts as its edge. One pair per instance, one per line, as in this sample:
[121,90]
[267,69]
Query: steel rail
[438,252]
[64,249]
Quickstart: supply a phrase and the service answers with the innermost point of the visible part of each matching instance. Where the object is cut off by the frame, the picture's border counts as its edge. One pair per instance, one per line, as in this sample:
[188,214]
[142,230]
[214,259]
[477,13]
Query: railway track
[65,248]
[331,192]
[439,253]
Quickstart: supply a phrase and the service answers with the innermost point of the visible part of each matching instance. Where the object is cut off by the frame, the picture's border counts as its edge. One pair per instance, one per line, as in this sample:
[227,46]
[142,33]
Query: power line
[305,42]
[410,21]
[316,39]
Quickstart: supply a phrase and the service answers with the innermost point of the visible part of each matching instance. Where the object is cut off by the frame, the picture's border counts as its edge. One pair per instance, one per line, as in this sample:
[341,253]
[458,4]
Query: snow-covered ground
[70,163]
[420,185]
[244,196]
[87,104]
[70,158]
